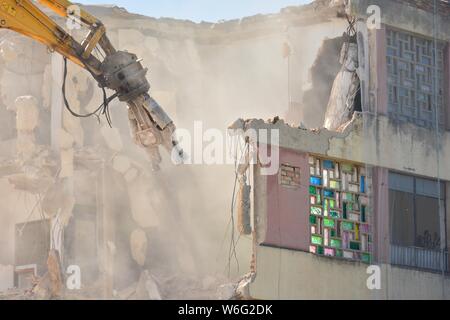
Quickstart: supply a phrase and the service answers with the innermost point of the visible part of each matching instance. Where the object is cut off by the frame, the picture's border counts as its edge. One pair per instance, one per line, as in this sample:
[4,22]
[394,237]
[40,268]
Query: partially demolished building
[370,190]
[79,190]
[361,211]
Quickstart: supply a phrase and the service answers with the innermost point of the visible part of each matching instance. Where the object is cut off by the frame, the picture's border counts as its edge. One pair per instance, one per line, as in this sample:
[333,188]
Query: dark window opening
[414,211]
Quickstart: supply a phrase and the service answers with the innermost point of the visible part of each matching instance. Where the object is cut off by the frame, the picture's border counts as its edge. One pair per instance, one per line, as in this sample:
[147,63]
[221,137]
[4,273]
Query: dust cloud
[199,72]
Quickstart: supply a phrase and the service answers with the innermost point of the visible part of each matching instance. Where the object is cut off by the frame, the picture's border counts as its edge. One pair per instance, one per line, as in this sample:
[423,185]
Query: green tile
[316,240]
[334,214]
[365,257]
[335,243]
[329,223]
[354,245]
[347,226]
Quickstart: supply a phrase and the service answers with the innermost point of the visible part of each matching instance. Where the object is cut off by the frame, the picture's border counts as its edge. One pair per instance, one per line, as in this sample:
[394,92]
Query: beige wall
[400,15]
[286,274]
[375,141]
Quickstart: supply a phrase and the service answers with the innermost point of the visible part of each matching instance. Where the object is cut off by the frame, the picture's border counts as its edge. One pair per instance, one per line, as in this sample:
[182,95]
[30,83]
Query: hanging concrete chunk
[138,243]
[340,107]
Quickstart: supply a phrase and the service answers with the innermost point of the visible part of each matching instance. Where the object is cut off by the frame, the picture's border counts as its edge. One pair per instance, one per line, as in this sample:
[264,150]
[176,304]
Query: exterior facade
[372,201]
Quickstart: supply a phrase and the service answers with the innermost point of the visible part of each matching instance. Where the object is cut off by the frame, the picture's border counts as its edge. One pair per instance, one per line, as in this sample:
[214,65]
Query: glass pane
[427,223]
[328,193]
[401,207]
[336,243]
[347,226]
[316,211]
[316,240]
[327,164]
[328,223]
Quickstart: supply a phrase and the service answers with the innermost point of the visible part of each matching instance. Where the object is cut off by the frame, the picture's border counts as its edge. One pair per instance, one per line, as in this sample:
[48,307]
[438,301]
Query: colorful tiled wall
[339,215]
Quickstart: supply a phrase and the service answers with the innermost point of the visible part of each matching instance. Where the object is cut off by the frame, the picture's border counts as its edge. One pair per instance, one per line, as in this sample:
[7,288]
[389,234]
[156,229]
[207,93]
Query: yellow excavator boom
[119,71]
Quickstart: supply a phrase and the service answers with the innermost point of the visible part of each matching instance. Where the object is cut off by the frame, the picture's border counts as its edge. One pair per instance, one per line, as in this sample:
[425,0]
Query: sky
[200,10]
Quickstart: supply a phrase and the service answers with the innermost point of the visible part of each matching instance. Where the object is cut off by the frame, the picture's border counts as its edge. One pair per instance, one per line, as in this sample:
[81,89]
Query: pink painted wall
[381,69]
[380,215]
[288,208]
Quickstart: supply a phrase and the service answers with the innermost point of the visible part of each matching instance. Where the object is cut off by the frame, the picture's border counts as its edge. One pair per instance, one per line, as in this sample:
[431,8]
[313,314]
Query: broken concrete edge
[368,139]
[319,11]
[290,135]
[324,8]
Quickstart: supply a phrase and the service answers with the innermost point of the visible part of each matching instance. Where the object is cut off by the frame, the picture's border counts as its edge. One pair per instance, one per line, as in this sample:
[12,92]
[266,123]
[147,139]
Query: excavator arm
[119,71]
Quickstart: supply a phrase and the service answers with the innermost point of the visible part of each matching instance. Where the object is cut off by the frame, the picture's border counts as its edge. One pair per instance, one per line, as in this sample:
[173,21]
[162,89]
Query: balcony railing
[419,258]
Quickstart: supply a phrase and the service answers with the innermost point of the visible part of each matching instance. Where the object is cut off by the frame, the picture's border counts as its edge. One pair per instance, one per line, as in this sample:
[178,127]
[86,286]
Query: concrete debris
[243,287]
[27,118]
[55,274]
[237,291]
[138,244]
[239,124]
[150,286]
[34,185]
[27,113]
[41,289]
[226,291]
[346,85]
[147,288]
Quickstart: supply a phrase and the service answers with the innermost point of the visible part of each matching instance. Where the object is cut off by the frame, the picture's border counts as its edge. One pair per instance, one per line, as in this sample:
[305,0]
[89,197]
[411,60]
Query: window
[414,211]
[412,75]
[339,214]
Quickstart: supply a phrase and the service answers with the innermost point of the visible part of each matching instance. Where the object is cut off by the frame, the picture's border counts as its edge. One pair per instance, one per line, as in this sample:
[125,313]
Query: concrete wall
[447,80]
[288,274]
[375,141]
[380,215]
[404,16]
